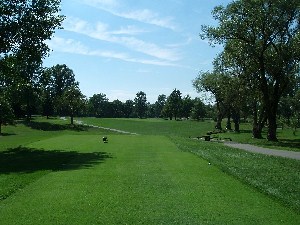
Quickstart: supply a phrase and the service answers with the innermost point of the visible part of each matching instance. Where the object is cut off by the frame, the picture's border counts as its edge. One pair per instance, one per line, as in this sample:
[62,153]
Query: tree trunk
[272,128]
[236,120]
[219,117]
[218,126]
[72,118]
[256,131]
[236,126]
[258,123]
[228,124]
[271,111]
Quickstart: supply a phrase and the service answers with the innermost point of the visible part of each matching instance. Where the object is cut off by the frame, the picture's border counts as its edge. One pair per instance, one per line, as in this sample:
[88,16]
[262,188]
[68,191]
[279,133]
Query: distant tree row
[57,93]
[171,107]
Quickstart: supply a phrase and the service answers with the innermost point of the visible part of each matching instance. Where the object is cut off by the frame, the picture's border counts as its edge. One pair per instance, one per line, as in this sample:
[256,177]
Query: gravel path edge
[266,151]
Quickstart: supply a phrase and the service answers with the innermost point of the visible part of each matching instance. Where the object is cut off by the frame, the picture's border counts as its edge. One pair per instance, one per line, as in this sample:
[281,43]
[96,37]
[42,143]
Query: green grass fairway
[188,128]
[130,180]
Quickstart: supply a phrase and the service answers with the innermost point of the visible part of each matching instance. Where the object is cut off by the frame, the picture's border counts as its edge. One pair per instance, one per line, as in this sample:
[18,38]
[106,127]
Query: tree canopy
[261,38]
[140,102]
[25,26]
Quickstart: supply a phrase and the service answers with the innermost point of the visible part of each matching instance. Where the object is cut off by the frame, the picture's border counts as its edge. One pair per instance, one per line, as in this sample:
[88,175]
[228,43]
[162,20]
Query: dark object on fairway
[207,137]
[228,139]
[105,140]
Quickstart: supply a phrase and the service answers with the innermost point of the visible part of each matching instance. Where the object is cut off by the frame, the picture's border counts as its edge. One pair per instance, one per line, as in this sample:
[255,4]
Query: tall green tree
[47,93]
[140,104]
[61,78]
[215,83]
[187,105]
[98,105]
[265,35]
[159,105]
[173,106]
[6,90]
[72,101]
[6,112]
[128,108]
[25,25]
[289,106]
[198,110]
[117,109]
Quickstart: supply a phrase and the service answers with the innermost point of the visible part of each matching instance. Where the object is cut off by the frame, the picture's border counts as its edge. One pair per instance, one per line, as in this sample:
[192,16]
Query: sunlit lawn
[54,173]
[186,128]
[131,180]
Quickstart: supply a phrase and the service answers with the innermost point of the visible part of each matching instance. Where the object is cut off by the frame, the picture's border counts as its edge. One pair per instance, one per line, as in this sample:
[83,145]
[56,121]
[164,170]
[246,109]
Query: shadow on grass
[46,126]
[289,143]
[28,160]
[245,131]
[6,134]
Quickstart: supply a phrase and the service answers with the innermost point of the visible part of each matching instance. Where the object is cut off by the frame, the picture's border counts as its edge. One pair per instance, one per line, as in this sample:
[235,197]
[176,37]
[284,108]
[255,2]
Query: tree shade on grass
[145,180]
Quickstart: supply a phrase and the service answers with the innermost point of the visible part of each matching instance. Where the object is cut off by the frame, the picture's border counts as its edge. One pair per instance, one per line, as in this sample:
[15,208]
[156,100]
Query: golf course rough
[136,180]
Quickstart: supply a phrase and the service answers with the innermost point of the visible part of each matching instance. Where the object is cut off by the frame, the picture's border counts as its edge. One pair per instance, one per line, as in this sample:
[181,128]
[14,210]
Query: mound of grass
[145,180]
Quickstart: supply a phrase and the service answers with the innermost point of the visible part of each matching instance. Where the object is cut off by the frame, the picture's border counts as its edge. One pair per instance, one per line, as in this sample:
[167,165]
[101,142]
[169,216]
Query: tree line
[170,107]
[57,93]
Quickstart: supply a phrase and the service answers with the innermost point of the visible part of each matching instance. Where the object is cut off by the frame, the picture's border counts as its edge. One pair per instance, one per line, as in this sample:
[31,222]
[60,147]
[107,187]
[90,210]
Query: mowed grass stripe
[144,180]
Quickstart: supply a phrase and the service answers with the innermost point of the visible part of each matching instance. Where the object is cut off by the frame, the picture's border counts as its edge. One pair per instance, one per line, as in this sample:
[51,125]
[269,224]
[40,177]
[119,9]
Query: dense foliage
[25,26]
[261,49]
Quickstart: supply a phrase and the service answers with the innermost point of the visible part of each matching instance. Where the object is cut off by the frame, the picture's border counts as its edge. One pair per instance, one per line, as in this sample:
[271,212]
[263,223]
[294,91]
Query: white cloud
[102,3]
[67,45]
[141,15]
[128,30]
[100,31]
[147,16]
[75,47]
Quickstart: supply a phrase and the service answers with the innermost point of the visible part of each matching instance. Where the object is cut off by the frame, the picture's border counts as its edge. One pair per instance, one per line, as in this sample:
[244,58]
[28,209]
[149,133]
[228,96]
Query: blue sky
[121,47]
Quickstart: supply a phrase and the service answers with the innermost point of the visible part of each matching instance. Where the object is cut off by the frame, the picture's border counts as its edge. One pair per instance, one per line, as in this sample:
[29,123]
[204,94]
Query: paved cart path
[267,151]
